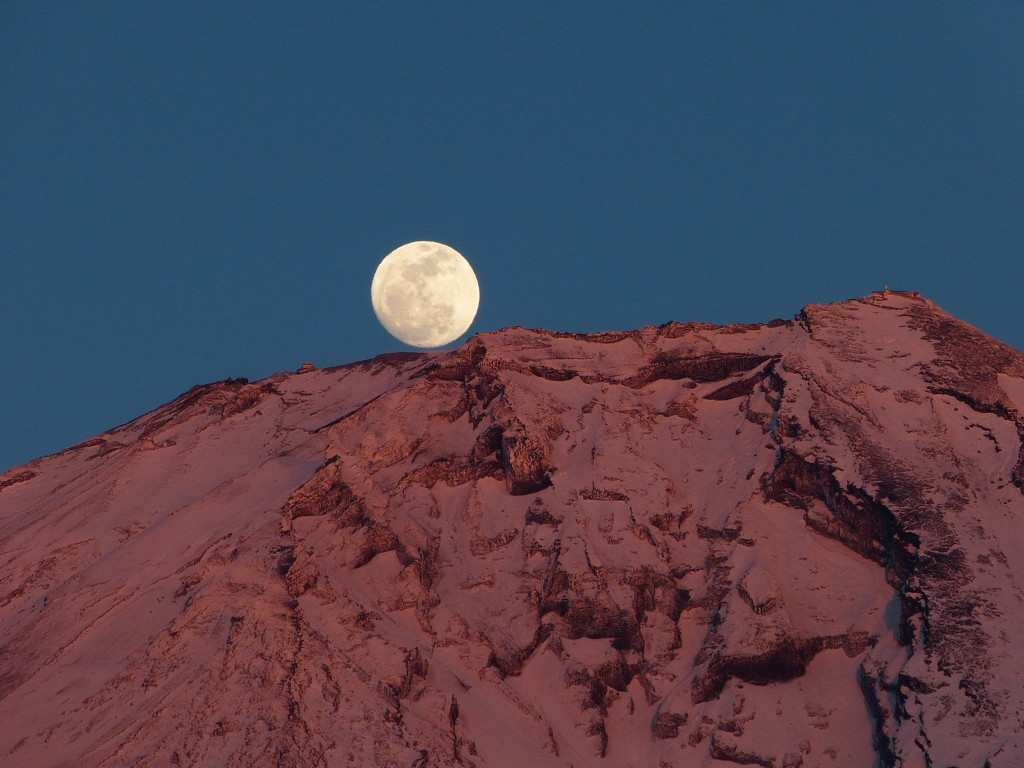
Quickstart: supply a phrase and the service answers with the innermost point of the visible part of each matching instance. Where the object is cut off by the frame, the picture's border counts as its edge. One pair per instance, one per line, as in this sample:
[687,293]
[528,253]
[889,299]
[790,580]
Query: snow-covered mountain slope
[792,544]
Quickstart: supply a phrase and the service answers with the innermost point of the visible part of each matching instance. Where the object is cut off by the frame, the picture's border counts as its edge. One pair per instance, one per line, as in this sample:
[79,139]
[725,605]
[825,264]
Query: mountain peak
[786,544]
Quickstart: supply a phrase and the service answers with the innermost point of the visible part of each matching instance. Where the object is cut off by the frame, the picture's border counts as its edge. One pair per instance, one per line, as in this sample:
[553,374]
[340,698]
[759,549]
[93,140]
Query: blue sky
[199,190]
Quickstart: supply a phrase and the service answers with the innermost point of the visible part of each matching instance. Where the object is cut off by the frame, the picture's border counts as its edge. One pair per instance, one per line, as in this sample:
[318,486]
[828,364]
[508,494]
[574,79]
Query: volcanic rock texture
[781,545]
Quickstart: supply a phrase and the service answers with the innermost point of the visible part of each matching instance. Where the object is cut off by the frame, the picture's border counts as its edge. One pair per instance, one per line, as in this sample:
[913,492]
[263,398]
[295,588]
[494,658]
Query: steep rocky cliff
[792,544]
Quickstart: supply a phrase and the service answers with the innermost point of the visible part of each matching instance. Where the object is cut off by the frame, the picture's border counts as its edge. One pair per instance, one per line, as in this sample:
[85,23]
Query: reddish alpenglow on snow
[790,544]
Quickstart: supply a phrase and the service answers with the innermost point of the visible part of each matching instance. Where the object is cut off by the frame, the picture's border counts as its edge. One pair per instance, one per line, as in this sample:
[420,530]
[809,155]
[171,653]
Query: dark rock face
[699,369]
[597,620]
[722,749]
[784,661]
[856,519]
[17,477]
[740,388]
[322,494]
[791,544]
[524,461]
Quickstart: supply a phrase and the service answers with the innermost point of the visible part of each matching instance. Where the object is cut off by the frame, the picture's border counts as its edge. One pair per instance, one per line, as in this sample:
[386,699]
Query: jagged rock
[722,748]
[791,544]
[16,477]
[524,460]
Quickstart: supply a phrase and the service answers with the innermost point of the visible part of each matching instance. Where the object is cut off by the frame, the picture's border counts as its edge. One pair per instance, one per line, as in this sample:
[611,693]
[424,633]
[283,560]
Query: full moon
[425,294]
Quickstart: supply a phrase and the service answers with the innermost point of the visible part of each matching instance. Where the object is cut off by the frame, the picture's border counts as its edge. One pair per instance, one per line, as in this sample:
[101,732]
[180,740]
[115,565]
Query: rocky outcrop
[524,459]
[699,369]
[852,517]
[785,660]
[15,476]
